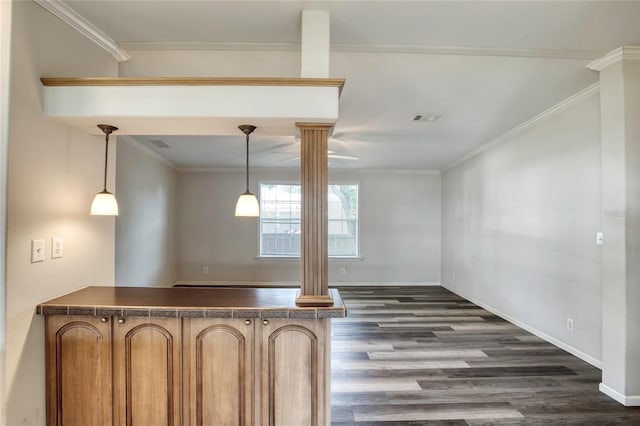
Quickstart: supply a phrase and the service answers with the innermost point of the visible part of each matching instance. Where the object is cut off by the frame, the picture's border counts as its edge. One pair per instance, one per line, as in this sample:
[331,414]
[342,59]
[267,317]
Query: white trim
[209,45]
[297,284]
[134,143]
[432,172]
[557,108]
[384,284]
[86,28]
[627,401]
[621,53]
[373,48]
[573,351]
[297,258]
[6,18]
[237,283]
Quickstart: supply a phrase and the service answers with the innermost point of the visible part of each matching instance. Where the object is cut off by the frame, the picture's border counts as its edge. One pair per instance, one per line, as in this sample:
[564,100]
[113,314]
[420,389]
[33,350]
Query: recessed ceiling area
[486,67]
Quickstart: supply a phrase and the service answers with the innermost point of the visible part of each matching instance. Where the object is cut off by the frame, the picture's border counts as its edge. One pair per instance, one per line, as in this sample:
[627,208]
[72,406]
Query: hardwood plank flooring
[423,356]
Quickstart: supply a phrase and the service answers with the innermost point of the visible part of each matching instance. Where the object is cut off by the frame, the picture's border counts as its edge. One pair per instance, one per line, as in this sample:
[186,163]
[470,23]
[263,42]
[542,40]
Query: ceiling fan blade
[343,157]
[285,160]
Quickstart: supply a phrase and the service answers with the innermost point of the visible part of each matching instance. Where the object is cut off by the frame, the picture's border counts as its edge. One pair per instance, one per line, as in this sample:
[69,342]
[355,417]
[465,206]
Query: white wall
[54,172]
[399,228]
[146,226]
[5,69]
[519,226]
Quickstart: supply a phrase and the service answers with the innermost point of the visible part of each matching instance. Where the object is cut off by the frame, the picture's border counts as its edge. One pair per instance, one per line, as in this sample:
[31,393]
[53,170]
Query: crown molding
[338,171]
[621,53]
[134,143]
[86,28]
[373,48]
[209,45]
[557,108]
[466,51]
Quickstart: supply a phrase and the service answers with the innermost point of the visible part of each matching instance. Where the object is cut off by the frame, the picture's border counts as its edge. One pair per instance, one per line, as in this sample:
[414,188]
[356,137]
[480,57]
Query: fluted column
[314,258]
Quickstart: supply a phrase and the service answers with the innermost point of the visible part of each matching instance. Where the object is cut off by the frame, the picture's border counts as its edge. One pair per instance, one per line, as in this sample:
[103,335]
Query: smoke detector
[427,116]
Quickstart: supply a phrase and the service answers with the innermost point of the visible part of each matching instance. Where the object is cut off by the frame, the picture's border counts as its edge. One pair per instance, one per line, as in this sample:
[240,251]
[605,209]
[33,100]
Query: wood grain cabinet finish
[78,371]
[218,374]
[295,372]
[141,371]
[146,371]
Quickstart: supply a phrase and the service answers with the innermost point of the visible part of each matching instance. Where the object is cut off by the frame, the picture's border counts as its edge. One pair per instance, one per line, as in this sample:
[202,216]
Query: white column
[314,55]
[620,178]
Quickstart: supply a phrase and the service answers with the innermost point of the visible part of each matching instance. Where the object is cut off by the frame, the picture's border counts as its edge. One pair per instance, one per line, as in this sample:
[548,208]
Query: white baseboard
[297,284]
[573,351]
[627,401]
[382,284]
[237,283]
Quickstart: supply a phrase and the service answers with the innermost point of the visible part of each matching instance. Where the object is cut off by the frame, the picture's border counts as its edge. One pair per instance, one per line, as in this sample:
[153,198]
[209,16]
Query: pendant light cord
[106,158]
[247,162]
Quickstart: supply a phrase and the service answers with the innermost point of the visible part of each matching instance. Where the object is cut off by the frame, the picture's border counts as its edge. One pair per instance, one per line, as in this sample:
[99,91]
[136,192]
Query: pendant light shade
[104,203]
[247,205]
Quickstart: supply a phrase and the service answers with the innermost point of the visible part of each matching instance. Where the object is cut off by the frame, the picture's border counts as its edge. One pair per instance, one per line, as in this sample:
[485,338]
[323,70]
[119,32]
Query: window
[280,206]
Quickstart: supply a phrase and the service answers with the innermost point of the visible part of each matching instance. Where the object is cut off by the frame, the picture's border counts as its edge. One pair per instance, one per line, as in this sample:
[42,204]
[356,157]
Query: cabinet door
[78,371]
[147,386]
[219,364]
[295,364]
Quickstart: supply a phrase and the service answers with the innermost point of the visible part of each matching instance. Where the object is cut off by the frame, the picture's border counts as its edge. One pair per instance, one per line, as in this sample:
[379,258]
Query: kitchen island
[187,356]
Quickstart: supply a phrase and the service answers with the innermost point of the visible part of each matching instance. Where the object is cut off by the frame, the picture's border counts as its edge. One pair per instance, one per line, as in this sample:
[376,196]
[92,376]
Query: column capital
[617,55]
[314,126]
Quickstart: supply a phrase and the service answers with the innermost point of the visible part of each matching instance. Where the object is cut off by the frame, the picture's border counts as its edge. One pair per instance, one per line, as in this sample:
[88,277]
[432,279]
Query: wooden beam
[314,258]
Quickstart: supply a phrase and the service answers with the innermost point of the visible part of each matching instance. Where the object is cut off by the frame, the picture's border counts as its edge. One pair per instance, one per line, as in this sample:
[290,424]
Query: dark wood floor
[423,355]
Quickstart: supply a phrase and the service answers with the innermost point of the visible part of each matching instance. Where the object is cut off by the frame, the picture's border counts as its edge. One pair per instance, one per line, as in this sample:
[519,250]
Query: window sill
[297,258]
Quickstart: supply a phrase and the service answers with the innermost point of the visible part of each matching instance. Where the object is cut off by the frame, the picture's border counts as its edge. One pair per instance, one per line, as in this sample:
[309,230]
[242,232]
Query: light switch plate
[599,238]
[57,247]
[37,251]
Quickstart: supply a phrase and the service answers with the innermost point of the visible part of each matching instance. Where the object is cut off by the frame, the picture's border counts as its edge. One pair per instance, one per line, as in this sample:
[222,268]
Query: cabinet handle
[120,320]
[103,319]
[248,322]
[265,322]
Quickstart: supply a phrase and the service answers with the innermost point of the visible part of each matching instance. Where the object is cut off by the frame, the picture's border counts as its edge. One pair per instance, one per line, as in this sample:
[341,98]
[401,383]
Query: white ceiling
[512,61]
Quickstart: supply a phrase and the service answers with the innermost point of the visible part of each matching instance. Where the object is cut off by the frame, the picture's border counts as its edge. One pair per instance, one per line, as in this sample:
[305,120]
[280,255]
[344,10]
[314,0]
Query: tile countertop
[176,302]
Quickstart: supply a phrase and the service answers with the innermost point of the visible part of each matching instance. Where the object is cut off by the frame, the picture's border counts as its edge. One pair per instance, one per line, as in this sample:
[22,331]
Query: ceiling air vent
[159,143]
[427,116]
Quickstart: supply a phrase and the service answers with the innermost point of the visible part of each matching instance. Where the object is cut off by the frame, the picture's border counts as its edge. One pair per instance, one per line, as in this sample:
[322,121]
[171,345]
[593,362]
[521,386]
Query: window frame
[261,256]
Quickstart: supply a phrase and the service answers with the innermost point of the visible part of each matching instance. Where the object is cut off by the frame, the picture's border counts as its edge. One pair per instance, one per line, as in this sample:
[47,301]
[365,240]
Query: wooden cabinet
[146,371]
[78,371]
[295,372]
[104,371]
[219,371]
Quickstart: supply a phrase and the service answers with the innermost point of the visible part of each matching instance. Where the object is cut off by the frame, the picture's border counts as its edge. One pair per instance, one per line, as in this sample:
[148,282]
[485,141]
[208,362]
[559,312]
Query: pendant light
[247,204]
[104,203]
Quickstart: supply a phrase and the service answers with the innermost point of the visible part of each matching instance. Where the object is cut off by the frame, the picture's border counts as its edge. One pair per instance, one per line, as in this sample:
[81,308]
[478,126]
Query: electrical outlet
[343,271]
[205,269]
[569,324]
[453,276]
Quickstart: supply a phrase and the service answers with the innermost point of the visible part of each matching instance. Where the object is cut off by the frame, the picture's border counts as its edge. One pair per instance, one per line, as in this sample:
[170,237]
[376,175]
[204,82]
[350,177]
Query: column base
[314,300]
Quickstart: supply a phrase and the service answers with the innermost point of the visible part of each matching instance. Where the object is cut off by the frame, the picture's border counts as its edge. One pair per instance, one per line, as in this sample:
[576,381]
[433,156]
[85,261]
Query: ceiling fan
[331,154]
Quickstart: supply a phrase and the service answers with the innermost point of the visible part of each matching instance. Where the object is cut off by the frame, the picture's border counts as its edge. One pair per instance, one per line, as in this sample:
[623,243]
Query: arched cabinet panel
[219,365]
[147,371]
[294,363]
[79,375]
